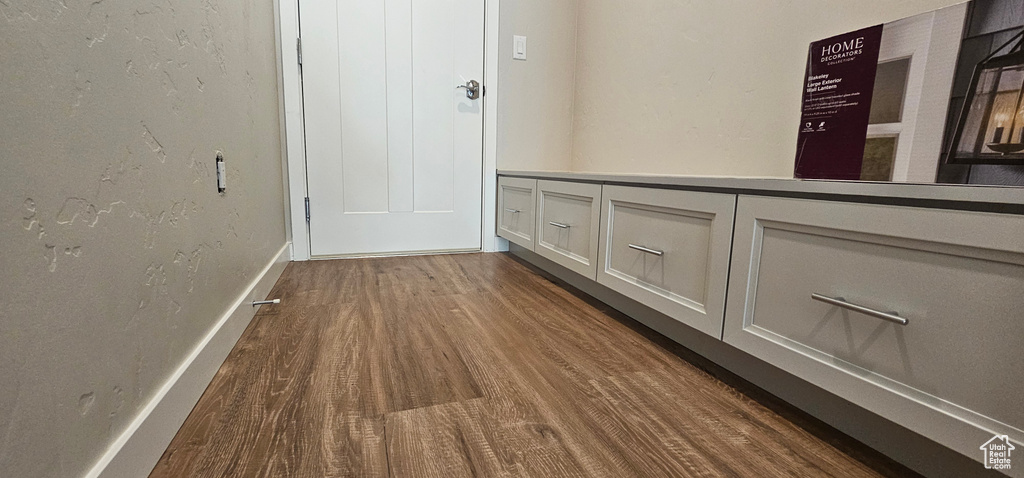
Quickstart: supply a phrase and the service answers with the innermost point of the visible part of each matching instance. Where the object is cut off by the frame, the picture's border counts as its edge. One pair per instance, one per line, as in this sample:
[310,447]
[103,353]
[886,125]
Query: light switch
[518,47]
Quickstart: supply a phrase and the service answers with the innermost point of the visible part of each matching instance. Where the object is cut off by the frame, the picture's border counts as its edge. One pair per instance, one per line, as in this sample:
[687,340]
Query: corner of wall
[575,87]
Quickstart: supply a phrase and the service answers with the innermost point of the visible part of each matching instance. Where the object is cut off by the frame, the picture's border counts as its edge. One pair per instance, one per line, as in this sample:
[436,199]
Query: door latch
[472,89]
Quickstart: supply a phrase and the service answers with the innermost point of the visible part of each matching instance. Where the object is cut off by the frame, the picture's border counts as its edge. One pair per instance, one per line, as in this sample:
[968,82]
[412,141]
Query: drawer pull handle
[841,302]
[559,225]
[647,250]
[513,211]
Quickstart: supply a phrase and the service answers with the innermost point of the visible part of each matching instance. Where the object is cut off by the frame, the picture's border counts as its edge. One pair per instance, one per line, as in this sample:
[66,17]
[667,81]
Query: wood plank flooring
[475,365]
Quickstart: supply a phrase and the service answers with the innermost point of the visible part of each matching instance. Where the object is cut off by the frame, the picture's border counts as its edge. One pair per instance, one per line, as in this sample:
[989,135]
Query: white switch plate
[518,47]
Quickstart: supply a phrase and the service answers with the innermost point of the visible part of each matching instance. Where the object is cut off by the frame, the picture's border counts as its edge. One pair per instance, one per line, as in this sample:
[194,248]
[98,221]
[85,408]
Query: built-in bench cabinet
[909,312]
[568,216]
[669,250]
[517,203]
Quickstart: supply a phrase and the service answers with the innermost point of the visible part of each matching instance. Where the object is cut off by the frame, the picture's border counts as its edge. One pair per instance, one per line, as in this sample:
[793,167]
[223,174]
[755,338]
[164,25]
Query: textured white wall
[702,88]
[536,95]
[117,252]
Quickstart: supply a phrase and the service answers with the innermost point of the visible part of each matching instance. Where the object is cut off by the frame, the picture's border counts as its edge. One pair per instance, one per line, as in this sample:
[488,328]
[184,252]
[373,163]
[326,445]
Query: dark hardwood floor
[475,365]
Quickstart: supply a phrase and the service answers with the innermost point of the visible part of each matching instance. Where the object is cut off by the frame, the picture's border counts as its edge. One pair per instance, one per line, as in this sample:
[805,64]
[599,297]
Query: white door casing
[393,149]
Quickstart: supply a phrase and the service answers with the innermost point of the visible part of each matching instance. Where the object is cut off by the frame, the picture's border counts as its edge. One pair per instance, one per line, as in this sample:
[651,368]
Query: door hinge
[298,49]
[307,209]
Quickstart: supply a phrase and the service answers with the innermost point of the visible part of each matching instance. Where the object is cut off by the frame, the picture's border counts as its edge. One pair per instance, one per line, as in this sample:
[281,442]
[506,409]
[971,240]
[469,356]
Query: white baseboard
[137,450]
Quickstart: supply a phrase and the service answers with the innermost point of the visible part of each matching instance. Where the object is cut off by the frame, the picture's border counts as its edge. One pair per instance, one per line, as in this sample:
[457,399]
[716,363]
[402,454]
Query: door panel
[364,125]
[433,109]
[400,83]
[394,150]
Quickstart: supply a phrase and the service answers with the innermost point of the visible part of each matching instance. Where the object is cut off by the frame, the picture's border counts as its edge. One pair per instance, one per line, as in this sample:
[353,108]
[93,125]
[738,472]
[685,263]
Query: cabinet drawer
[668,250]
[568,216]
[517,200]
[951,373]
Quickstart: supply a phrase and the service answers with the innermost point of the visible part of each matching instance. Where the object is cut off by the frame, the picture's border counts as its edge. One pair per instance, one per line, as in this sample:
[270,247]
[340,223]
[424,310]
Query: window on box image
[879,157]
[884,120]
[889,92]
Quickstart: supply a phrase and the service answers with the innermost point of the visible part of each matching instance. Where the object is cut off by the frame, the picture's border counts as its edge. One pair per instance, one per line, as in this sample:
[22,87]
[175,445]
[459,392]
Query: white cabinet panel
[517,203]
[952,372]
[568,219]
[668,250]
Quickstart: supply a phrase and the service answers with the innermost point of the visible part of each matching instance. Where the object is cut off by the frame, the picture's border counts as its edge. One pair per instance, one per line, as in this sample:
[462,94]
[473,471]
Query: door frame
[293,147]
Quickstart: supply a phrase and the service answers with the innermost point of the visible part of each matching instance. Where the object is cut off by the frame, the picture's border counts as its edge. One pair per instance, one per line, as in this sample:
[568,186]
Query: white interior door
[393,148]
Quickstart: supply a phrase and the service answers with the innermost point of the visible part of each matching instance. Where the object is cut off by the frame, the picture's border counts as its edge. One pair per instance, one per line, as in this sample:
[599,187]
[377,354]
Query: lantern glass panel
[995,114]
[1003,123]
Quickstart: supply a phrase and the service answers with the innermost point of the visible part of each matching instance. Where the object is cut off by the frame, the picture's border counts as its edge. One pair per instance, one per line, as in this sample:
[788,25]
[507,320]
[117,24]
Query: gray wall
[535,97]
[117,253]
[702,88]
[663,86]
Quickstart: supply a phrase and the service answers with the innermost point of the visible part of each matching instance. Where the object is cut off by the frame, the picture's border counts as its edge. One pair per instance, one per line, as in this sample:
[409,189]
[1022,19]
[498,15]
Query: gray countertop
[997,198]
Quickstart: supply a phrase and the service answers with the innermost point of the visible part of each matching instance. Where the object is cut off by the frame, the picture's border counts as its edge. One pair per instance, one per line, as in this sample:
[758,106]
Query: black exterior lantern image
[991,125]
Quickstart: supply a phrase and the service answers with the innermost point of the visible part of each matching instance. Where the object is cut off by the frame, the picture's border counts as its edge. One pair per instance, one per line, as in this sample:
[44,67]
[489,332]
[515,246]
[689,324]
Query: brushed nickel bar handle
[559,225]
[647,250]
[513,211]
[842,303]
[257,303]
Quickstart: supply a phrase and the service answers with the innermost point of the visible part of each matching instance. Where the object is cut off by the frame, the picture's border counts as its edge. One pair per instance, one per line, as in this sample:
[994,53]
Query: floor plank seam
[387,449]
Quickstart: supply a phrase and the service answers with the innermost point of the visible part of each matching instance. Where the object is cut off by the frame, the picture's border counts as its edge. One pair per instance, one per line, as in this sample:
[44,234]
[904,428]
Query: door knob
[472,89]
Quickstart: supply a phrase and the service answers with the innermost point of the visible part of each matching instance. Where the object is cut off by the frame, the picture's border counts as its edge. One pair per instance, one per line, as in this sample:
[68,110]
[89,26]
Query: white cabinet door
[393,149]
[568,219]
[517,204]
[668,250]
[952,372]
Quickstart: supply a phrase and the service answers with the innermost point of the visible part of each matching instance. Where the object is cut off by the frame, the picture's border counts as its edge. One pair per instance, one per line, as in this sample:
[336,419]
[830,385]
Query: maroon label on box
[836,104]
